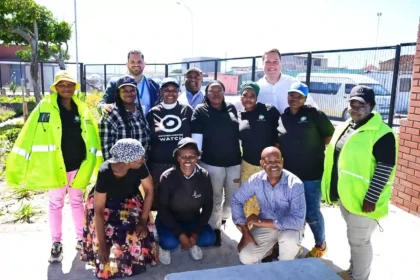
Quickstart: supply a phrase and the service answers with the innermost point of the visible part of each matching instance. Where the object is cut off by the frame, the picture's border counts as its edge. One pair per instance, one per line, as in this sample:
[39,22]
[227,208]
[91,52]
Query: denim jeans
[313,210]
[169,241]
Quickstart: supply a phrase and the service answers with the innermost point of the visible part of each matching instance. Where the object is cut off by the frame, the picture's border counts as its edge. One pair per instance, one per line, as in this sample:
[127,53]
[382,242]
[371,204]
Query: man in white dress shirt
[275,85]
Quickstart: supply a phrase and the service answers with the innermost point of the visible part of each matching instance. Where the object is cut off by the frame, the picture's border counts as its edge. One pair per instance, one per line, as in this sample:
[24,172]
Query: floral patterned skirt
[251,206]
[128,254]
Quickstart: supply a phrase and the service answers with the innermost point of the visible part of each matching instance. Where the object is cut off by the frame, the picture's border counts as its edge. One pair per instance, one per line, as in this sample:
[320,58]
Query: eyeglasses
[187,157]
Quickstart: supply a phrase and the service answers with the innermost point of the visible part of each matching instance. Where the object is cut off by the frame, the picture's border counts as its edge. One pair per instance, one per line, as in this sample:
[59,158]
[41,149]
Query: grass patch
[26,212]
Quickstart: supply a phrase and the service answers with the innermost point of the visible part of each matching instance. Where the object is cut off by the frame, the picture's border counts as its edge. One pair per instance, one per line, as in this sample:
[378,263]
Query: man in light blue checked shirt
[281,197]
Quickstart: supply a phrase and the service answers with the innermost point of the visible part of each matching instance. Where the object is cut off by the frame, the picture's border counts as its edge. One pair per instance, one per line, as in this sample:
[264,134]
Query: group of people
[198,162]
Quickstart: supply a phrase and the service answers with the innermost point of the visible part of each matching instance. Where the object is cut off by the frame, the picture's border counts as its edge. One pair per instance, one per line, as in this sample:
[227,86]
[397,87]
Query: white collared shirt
[277,94]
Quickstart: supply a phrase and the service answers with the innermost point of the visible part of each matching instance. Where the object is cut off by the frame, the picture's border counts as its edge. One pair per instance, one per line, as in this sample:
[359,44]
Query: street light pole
[192,26]
[377,27]
[377,36]
[75,35]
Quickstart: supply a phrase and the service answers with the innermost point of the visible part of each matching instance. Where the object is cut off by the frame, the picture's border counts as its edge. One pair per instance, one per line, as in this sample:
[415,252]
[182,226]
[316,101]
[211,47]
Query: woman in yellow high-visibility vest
[56,150]
[359,169]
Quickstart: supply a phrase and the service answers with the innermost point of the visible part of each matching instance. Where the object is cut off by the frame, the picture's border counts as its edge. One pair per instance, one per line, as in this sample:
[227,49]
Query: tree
[24,22]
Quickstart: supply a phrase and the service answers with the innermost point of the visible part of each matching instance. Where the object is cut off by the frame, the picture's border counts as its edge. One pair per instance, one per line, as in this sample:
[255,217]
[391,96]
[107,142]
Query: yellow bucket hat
[63,75]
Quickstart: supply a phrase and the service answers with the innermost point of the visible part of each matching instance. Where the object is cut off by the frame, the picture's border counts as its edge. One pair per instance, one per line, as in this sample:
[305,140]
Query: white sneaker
[196,253]
[79,245]
[164,256]
[56,252]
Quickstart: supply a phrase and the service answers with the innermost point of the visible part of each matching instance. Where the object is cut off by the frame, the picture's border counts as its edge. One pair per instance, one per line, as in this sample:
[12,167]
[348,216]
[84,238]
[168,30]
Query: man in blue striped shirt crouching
[281,197]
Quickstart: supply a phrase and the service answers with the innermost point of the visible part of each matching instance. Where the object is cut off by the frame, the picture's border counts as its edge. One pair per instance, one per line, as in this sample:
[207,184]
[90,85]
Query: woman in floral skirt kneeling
[116,238]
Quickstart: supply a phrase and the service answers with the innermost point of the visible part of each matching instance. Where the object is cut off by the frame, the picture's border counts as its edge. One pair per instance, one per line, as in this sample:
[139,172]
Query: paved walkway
[25,250]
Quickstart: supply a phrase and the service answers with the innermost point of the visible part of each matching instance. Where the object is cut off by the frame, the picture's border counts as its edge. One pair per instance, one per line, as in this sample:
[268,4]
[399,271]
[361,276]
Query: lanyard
[143,82]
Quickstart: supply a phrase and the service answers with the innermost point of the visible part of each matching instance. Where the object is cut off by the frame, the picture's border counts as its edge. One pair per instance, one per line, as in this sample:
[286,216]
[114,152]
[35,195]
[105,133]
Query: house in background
[205,66]
[300,62]
[406,63]
[9,64]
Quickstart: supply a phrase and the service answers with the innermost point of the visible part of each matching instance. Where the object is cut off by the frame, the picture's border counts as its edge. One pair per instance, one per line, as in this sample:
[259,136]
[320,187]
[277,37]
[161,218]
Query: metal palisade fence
[329,74]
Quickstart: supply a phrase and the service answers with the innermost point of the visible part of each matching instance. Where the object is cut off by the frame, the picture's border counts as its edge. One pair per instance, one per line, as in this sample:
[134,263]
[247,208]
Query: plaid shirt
[112,129]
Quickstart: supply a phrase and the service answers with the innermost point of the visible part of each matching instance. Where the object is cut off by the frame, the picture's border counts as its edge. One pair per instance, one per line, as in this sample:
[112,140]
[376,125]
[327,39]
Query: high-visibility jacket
[36,161]
[356,165]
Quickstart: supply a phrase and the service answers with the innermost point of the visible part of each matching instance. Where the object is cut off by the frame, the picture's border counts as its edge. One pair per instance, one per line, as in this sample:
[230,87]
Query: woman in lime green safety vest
[359,169]
[57,151]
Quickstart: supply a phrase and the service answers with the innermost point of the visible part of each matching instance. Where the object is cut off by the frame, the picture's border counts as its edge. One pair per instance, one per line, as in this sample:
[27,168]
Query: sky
[161,29]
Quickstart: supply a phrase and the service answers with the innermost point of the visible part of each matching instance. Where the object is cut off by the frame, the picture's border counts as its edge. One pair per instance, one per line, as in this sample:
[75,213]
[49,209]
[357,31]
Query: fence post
[188,66]
[254,64]
[42,79]
[104,76]
[215,69]
[166,70]
[308,69]
[82,71]
[394,86]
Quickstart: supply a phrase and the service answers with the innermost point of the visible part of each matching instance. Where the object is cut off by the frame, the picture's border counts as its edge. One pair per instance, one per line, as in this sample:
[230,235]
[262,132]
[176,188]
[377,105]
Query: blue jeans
[169,241]
[313,210]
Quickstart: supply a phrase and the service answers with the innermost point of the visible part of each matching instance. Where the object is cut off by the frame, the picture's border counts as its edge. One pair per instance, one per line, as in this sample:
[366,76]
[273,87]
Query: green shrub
[6,113]
[8,136]
[15,104]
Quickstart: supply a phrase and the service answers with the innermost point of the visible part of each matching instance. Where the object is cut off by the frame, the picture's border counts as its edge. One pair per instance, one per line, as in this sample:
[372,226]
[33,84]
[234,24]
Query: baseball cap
[183,142]
[299,88]
[362,94]
[168,81]
[126,150]
[251,85]
[194,69]
[126,81]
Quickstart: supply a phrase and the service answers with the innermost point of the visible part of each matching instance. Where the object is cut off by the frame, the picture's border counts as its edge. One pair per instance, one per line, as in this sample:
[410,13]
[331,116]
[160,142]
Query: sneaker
[164,256]
[346,275]
[317,252]
[218,234]
[56,252]
[79,245]
[196,253]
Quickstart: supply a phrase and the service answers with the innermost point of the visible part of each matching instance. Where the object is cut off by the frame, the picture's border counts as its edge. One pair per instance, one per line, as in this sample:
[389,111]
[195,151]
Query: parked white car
[331,92]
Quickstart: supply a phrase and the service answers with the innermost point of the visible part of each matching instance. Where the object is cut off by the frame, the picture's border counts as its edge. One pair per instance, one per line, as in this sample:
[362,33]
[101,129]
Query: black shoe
[56,252]
[218,242]
[267,259]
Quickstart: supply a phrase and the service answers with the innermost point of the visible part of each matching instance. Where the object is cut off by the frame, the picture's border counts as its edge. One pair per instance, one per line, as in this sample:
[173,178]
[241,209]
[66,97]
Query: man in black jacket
[147,89]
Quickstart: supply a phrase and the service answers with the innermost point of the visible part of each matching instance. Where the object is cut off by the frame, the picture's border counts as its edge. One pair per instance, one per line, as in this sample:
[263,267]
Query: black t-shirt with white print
[167,127]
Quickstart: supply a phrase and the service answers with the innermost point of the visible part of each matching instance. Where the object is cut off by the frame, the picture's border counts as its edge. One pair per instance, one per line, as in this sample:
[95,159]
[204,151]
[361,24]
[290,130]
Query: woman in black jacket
[185,190]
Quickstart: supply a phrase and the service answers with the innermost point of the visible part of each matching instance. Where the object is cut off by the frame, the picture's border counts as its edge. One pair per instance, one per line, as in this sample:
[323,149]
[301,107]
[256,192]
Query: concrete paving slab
[25,250]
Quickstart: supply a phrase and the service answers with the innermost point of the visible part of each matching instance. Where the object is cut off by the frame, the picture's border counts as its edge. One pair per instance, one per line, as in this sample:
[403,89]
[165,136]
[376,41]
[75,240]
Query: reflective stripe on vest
[21,152]
[360,177]
[93,150]
[43,148]
[99,153]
